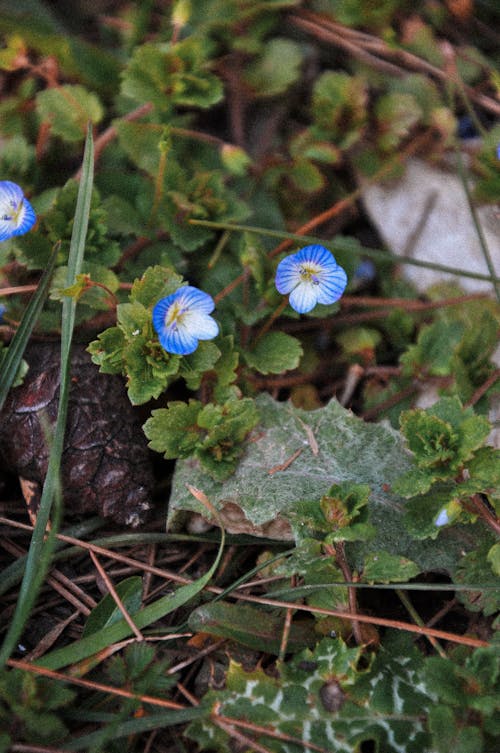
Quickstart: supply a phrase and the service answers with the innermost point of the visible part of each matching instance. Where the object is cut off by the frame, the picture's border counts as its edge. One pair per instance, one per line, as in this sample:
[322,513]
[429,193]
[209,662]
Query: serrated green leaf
[213,433]
[196,365]
[68,109]
[156,282]
[148,370]
[174,430]
[274,353]
[107,351]
[170,75]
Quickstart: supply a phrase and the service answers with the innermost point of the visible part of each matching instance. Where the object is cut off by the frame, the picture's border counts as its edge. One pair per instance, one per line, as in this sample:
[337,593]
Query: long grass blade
[41,547]
[10,364]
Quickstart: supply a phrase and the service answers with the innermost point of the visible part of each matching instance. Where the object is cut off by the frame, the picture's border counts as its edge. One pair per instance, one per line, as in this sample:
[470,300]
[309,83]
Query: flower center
[309,273]
[175,314]
[14,215]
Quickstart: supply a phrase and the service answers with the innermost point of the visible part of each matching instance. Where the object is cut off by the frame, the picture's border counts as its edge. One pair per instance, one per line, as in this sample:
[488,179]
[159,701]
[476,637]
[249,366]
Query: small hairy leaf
[274,353]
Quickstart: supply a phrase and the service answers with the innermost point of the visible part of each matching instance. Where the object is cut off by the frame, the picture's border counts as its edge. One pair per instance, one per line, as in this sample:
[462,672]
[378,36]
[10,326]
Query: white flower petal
[304,297]
[202,326]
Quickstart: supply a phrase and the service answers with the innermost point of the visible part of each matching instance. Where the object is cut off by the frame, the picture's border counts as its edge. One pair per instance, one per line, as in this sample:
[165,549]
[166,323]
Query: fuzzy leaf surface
[272,481]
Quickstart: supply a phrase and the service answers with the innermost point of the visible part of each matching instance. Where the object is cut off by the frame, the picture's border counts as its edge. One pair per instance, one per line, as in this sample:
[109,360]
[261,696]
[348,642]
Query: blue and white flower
[16,213]
[310,276]
[183,318]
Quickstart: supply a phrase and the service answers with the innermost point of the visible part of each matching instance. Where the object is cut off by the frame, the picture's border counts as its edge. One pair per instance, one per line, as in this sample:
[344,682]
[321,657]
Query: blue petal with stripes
[16,213]
[183,318]
[310,276]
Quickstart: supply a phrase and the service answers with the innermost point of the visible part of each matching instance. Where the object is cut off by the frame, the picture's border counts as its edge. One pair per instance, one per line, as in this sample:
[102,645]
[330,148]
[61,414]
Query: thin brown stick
[216,718]
[363,48]
[246,742]
[338,554]
[494,377]
[92,685]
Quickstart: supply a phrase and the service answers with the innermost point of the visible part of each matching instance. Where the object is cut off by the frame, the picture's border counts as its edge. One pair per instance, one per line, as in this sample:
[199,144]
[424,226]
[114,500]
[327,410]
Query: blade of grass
[141,724]
[341,244]
[86,647]
[12,359]
[41,548]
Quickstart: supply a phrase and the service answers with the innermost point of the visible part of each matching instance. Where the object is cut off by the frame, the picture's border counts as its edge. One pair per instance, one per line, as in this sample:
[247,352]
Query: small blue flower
[311,276]
[182,318]
[16,213]
[442,519]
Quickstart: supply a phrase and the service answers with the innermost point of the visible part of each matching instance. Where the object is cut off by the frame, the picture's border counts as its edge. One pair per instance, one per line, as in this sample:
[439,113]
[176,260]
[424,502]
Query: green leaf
[274,353]
[235,159]
[170,75]
[107,351]
[475,567]
[156,282]
[194,367]
[213,433]
[435,350]
[68,109]
[493,558]
[107,613]
[396,114]
[339,107]
[148,368]
[174,430]
[277,69]
[249,626]
[306,176]
[382,567]
[345,510]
